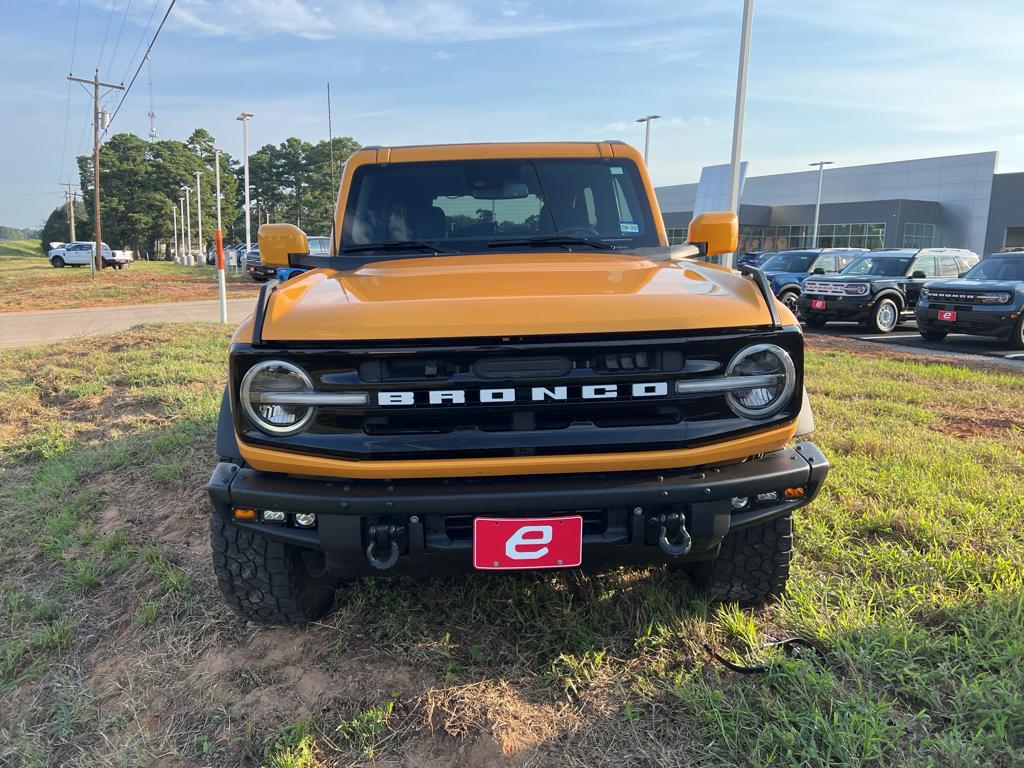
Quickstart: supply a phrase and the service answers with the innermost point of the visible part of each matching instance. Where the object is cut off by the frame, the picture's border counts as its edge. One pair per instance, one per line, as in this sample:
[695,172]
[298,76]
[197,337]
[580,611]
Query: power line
[67,107]
[117,43]
[142,38]
[110,18]
[141,63]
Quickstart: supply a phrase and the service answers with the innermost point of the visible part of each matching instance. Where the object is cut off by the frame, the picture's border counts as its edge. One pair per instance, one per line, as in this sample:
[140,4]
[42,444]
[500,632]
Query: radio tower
[153,135]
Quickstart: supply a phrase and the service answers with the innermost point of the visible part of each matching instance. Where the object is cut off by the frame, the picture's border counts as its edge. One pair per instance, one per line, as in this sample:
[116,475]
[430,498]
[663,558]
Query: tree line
[141,184]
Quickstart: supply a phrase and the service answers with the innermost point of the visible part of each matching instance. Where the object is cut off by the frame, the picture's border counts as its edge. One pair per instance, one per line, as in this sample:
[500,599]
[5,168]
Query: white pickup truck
[80,252]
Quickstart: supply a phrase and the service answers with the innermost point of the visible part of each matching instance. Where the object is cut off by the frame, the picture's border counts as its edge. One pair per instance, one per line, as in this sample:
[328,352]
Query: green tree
[56,228]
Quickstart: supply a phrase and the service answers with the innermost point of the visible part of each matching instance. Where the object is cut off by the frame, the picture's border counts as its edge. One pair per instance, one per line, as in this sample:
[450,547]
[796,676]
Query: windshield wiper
[542,240]
[397,245]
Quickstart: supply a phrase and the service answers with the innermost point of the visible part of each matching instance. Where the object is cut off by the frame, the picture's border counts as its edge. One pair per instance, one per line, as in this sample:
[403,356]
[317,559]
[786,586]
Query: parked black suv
[987,301]
[881,287]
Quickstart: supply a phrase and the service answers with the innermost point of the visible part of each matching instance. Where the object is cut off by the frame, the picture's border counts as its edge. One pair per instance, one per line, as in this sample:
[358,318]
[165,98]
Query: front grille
[519,397]
[595,522]
[960,297]
[829,289]
[254,259]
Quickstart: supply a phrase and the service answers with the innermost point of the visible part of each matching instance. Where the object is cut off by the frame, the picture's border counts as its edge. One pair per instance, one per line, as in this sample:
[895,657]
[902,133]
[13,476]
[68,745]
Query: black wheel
[792,300]
[265,581]
[932,334]
[58,262]
[884,317]
[1017,337]
[752,566]
[815,322]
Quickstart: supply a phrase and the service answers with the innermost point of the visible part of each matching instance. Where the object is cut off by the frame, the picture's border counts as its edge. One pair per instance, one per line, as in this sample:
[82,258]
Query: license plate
[521,543]
[948,315]
[818,304]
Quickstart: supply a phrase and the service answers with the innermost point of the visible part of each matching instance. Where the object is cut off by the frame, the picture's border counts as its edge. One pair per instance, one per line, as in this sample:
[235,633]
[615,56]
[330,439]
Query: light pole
[245,117]
[647,133]
[199,214]
[188,225]
[181,219]
[737,119]
[219,240]
[817,206]
[174,210]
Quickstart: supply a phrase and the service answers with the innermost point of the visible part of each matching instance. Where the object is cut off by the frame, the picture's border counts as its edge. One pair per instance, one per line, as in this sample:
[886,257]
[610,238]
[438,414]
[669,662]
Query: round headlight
[266,389]
[776,380]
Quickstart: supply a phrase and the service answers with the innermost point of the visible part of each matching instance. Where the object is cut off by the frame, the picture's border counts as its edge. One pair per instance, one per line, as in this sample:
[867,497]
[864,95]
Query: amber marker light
[795,493]
[248,515]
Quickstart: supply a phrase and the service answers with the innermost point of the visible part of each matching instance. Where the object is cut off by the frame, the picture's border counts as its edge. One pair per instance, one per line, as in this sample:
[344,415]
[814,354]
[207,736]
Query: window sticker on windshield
[616,170]
[629,228]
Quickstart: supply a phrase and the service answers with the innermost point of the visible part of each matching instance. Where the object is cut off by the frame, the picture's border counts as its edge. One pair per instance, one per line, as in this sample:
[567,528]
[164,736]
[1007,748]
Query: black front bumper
[432,518]
[855,308]
[990,321]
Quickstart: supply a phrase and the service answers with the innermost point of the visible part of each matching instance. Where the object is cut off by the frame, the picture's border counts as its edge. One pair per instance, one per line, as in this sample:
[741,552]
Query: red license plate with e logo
[818,304]
[526,543]
[948,315]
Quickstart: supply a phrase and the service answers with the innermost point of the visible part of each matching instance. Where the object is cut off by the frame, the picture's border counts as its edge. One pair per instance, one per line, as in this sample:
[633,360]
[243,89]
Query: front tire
[57,262]
[792,300]
[265,581]
[1017,337]
[884,317]
[752,567]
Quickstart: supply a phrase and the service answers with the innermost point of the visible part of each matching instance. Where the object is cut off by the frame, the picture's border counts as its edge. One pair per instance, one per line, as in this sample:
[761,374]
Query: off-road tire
[57,262]
[932,335]
[1017,337]
[876,324]
[752,566]
[265,581]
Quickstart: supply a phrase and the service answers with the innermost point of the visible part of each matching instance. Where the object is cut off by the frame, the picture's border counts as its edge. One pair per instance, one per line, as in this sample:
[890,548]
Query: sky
[853,81]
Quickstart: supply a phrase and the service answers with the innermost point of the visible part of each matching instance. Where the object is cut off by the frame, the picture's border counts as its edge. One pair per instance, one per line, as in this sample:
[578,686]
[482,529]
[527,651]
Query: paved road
[26,329]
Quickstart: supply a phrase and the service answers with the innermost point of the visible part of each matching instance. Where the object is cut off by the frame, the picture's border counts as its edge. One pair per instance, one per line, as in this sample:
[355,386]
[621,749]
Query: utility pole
[199,214]
[647,133]
[188,226]
[817,206]
[97,225]
[174,210]
[219,239]
[244,118]
[71,210]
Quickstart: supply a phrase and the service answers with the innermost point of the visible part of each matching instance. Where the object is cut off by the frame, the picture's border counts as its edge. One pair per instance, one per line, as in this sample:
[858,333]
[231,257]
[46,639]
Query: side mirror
[279,241]
[818,271]
[919,275]
[715,232]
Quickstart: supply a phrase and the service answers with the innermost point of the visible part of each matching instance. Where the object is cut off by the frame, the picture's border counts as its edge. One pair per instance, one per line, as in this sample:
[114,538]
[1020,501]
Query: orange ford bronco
[499,365]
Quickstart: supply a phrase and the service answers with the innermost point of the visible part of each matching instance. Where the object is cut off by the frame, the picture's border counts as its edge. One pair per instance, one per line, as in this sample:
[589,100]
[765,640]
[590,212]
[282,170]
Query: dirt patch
[987,423]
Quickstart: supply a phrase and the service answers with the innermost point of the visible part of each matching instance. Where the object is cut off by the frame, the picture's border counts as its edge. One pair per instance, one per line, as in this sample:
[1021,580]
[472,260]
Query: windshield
[790,261]
[888,266]
[998,268]
[469,205]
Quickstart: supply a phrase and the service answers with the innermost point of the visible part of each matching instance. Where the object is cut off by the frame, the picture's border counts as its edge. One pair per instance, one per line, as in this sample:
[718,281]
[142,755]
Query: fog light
[273,516]
[770,496]
[795,493]
[740,502]
[243,514]
[305,519]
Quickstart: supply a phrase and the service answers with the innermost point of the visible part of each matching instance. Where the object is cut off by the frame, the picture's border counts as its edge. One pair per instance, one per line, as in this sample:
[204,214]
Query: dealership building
[959,201]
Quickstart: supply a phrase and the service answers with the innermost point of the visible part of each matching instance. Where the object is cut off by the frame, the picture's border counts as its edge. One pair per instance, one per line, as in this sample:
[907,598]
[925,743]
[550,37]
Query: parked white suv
[80,252]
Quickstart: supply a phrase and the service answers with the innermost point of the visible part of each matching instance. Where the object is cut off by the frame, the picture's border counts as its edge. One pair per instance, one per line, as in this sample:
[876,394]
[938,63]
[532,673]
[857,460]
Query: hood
[510,295]
[976,285]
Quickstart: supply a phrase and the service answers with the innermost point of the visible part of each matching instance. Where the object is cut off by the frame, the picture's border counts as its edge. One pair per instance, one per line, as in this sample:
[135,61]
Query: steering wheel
[579,232]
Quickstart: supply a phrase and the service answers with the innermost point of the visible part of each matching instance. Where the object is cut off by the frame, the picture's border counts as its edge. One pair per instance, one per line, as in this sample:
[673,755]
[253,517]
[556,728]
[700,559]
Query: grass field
[31,283]
[116,650]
